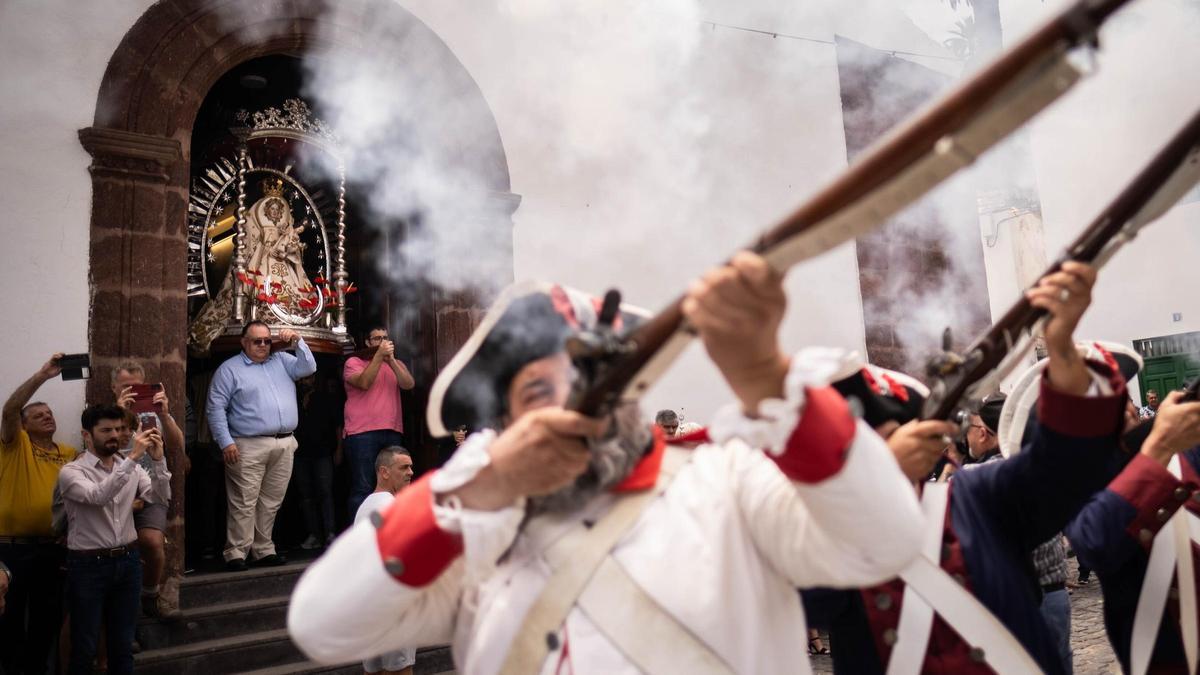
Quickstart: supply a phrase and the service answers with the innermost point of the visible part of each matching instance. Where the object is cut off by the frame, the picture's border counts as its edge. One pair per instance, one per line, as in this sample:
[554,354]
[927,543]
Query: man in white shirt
[104,572]
[393,472]
[552,542]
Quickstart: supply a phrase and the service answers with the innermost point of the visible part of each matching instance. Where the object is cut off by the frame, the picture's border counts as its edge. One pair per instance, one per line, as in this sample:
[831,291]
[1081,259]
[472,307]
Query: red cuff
[413,548]
[1084,416]
[817,448]
[1154,492]
[645,474]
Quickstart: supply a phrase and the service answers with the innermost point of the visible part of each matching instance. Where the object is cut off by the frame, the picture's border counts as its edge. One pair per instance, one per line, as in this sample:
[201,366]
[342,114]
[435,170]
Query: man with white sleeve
[552,542]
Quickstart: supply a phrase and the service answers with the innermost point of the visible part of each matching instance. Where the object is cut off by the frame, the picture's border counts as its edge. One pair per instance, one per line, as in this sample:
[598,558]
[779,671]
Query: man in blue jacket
[989,520]
[1123,534]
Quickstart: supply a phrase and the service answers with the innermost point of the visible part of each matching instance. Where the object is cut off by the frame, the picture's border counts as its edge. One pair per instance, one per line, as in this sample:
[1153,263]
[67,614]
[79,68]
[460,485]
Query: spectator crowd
[83,532]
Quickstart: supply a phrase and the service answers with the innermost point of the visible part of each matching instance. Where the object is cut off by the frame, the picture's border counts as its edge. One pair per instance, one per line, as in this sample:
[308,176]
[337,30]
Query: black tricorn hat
[883,395]
[529,321]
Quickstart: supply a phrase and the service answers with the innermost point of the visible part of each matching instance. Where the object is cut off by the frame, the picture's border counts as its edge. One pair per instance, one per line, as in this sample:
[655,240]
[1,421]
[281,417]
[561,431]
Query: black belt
[1050,588]
[114,552]
[283,435]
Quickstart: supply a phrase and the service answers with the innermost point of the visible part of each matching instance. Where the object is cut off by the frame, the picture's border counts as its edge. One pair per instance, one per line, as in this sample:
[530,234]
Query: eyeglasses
[986,431]
[377,338]
[261,342]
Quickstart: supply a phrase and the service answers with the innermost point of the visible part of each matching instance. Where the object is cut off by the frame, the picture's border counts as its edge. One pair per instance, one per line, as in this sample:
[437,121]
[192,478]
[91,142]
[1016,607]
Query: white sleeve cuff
[486,534]
[776,419]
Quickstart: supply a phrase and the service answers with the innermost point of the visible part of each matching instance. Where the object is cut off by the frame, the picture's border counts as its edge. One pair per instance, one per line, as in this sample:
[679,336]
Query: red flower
[276,284]
[320,279]
[307,303]
[351,289]
[245,279]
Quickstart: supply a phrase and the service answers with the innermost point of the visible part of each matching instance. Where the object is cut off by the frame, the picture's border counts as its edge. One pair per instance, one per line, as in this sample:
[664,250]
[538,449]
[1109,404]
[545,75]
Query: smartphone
[75,366]
[147,420]
[143,397]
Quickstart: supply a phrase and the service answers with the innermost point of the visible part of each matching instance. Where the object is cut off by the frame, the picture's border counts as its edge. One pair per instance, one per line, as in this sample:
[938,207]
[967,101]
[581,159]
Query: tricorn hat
[1023,398]
[881,395]
[529,321]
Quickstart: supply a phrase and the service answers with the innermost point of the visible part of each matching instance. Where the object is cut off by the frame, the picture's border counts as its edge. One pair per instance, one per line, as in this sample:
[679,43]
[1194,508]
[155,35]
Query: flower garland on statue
[267,291]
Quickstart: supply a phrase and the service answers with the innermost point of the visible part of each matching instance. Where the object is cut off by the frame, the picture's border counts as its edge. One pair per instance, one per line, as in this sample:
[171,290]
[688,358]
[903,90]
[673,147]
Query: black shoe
[235,565]
[273,560]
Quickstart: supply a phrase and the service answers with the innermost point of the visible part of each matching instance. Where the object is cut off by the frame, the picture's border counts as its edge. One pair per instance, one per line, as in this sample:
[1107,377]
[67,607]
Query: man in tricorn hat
[970,602]
[552,542]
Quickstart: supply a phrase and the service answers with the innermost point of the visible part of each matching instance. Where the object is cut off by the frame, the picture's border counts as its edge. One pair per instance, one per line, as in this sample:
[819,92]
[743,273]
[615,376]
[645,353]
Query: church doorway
[162,121]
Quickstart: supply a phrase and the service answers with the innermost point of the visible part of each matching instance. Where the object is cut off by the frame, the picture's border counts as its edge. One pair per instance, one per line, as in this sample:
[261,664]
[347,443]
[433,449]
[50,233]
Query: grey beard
[613,458]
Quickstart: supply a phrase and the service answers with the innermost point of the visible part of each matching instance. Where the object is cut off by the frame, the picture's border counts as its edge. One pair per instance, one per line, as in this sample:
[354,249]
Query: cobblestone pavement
[1089,643]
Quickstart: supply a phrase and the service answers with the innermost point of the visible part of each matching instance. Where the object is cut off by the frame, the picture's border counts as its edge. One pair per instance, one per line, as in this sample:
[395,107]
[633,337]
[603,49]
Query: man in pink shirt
[373,414]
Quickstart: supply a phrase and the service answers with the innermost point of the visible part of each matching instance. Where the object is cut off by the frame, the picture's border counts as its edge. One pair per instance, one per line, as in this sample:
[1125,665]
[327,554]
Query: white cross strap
[1170,557]
[935,591]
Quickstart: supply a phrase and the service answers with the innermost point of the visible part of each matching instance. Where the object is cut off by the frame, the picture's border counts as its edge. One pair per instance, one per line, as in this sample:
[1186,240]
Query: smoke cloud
[649,141]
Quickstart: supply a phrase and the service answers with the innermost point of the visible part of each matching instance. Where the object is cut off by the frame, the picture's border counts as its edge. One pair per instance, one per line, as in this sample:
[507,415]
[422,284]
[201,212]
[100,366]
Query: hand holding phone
[143,397]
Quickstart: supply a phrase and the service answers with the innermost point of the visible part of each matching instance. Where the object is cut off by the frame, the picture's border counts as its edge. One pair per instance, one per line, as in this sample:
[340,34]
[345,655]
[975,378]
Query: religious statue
[275,274]
[273,241]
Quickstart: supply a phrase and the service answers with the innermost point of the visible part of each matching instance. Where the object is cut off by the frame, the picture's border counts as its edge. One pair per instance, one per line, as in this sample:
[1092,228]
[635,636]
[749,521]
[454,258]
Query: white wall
[52,57]
[772,134]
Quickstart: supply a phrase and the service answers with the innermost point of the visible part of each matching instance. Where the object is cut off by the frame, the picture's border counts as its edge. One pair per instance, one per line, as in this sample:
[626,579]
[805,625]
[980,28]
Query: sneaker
[155,606]
[273,560]
[311,543]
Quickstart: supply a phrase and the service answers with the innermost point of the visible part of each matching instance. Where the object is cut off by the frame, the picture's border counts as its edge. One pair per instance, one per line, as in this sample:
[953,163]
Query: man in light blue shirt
[252,413]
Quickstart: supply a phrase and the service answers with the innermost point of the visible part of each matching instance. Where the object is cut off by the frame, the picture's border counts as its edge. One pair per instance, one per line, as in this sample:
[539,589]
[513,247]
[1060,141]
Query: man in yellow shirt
[29,464]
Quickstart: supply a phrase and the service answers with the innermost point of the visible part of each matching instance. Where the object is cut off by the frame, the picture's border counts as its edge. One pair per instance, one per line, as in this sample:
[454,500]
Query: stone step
[233,654]
[269,651]
[224,587]
[210,622]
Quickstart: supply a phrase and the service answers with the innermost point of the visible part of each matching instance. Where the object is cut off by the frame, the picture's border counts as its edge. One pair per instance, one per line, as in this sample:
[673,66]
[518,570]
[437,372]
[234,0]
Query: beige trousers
[255,487]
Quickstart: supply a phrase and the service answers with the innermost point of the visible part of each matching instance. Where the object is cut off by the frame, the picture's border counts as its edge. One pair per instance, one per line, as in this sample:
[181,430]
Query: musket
[899,168]
[956,379]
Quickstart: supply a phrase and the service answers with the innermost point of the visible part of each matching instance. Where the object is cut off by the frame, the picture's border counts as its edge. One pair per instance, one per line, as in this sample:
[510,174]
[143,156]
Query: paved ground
[1092,653]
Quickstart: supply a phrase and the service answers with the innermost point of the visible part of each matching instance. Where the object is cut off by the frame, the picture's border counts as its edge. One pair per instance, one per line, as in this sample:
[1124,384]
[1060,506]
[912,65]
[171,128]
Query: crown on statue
[273,187]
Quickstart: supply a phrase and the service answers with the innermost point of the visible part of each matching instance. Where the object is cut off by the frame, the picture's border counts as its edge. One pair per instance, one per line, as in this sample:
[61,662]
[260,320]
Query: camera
[75,366]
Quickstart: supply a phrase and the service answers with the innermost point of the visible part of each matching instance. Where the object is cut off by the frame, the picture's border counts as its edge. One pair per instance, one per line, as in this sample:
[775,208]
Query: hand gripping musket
[897,170]
[957,379]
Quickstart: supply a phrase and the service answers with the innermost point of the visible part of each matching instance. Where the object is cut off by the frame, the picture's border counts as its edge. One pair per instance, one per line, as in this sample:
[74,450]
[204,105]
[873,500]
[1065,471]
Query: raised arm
[1122,520]
[76,488]
[155,485]
[399,583]
[362,377]
[404,379]
[1073,450]
[303,363]
[10,419]
[805,512]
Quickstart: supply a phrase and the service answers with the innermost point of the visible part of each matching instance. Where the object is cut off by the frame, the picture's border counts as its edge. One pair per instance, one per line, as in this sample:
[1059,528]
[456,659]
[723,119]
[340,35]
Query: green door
[1164,373]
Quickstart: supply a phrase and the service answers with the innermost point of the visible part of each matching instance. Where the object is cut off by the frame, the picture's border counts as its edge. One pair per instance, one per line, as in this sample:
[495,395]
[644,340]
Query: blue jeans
[102,589]
[360,451]
[1056,610]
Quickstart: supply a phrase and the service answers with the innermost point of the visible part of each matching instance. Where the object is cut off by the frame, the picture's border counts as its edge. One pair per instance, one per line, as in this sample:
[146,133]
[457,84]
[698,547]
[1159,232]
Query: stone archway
[140,148]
